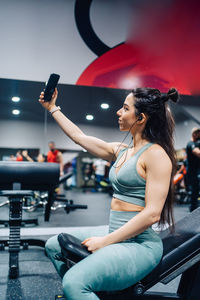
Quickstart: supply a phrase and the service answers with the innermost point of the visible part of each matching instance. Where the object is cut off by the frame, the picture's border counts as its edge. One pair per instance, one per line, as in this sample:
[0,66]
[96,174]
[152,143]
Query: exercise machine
[36,199]
[181,257]
[60,200]
[19,180]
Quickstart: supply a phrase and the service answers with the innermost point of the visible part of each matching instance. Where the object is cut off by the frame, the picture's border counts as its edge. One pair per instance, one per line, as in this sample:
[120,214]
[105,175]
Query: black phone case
[50,87]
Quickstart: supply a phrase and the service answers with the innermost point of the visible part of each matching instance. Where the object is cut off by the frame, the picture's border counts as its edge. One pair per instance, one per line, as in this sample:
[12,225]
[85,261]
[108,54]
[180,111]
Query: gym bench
[18,180]
[181,257]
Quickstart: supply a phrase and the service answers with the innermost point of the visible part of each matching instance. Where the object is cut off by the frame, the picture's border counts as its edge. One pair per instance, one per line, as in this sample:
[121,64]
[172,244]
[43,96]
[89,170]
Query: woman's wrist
[51,107]
[106,240]
[54,109]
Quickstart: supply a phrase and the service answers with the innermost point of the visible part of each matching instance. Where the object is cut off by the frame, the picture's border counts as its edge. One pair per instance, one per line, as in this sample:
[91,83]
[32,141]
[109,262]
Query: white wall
[21,134]
[39,37]
[183,133]
[194,111]
[183,129]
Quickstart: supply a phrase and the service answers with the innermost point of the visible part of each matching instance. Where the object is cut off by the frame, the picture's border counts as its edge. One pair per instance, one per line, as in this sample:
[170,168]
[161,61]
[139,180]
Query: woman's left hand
[94,243]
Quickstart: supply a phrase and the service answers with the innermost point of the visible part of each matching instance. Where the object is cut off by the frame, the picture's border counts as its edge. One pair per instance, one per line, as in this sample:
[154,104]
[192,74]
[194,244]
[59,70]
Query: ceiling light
[15,99]
[105,105]
[89,117]
[16,112]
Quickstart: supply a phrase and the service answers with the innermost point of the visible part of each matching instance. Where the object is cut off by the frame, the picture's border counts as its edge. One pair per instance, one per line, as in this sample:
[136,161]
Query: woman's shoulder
[119,148]
[157,160]
[156,147]
[155,152]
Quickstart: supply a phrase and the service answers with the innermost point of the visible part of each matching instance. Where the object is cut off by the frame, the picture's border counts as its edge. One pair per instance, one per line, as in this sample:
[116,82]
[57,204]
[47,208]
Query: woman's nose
[118,112]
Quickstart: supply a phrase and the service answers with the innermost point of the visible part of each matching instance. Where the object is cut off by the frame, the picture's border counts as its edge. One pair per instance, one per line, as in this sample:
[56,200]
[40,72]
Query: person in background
[26,156]
[99,167]
[55,156]
[180,176]
[19,156]
[193,167]
[12,157]
[40,158]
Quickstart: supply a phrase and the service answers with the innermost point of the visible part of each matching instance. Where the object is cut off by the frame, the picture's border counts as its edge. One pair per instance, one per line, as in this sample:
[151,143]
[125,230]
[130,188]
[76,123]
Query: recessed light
[16,112]
[89,117]
[105,105]
[15,99]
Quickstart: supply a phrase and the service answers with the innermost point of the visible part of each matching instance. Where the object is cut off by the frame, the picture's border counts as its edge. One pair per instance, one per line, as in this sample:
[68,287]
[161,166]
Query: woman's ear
[141,118]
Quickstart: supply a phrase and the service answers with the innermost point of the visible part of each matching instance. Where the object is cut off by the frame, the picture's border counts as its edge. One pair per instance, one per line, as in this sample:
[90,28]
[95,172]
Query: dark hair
[196,131]
[159,129]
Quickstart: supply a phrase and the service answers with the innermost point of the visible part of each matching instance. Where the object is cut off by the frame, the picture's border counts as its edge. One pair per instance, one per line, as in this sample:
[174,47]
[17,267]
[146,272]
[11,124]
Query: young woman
[142,182]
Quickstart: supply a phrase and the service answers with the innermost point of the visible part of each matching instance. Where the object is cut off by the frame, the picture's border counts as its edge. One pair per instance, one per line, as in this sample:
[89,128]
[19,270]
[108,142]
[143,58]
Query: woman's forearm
[92,144]
[69,128]
[133,227]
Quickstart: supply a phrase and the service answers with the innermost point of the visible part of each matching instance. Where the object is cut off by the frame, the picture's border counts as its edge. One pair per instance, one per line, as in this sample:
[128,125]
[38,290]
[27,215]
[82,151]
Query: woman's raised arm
[95,146]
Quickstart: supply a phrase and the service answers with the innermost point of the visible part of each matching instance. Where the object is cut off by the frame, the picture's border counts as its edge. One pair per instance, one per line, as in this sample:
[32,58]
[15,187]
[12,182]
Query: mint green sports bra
[127,184]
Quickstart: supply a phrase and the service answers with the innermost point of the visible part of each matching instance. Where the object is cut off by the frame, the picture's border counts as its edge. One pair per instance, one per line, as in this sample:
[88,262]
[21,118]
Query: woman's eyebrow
[125,104]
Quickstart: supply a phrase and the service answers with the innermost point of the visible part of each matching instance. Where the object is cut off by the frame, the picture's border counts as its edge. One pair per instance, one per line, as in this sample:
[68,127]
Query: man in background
[55,156]
[193,167]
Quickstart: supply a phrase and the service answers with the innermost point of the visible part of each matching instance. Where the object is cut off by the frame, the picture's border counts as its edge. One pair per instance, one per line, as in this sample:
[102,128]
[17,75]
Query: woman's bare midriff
[120,205]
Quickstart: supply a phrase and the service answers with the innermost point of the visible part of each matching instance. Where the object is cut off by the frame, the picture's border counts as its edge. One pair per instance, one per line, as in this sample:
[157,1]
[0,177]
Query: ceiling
[75,101]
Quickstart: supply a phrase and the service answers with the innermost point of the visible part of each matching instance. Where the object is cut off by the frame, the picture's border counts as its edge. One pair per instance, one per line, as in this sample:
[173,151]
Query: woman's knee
[72,286]
[52,244]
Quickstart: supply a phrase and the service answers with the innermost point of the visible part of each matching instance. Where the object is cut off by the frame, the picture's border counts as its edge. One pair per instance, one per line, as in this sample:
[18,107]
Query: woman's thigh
[80,233]
[53,248]
[111,268]
[83,233]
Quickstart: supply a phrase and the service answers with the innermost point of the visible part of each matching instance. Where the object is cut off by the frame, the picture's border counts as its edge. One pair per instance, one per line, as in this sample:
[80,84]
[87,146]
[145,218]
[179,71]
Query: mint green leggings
[114,267]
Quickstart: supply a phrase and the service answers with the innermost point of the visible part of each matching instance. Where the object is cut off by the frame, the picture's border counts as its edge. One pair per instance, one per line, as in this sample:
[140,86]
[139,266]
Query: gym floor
[38,279]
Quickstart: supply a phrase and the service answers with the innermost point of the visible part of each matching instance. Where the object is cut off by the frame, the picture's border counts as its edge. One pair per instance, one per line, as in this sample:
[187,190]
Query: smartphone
[50,86]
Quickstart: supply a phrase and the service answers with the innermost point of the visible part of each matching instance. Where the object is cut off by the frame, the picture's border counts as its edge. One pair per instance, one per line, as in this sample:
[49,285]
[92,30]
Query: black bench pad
[180,247]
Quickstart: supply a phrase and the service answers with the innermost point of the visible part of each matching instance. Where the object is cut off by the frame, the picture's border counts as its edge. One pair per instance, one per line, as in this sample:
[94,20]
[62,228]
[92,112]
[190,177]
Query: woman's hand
[94,243]
[50,104]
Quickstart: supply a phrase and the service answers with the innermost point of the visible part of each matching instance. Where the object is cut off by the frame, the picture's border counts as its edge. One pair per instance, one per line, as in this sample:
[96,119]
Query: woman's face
[126,114]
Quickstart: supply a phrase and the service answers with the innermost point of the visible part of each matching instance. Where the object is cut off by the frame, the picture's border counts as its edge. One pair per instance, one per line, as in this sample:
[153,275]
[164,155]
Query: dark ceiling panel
[75,101]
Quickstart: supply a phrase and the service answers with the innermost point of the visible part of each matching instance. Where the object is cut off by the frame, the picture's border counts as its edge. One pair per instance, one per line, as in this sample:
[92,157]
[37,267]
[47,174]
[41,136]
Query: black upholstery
[179,247]
[70,244]
[19,179]
[31,175]
[181,256]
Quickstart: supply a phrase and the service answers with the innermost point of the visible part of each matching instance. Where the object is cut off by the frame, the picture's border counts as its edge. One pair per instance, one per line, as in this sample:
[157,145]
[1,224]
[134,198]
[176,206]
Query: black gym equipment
[181,257]
[40,198]
[18,180]
[61,202]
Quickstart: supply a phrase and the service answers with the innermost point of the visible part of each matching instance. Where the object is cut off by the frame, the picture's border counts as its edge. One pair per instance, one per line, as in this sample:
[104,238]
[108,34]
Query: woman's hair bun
[173,95]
